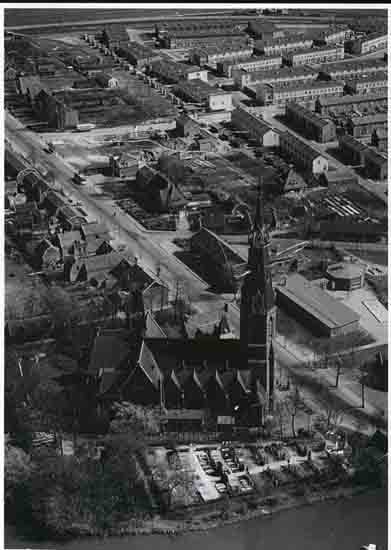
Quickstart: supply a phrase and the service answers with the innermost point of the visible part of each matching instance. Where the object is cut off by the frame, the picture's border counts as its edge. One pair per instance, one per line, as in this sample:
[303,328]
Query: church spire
[258,256]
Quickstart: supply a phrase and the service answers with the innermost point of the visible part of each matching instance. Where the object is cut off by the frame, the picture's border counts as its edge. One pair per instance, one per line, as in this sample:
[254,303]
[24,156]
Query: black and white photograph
[195,276]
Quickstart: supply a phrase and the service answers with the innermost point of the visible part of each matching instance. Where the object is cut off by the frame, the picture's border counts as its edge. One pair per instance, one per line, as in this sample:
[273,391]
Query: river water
[338,525]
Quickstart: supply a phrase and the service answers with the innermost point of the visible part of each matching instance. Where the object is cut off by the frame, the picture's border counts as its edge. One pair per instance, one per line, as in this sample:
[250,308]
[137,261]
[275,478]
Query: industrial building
[351,68]
[302,154]
[277,94]
[174,72]
[249,65]
[278,46]
[370,43]
[284,76]
[310,124]
[344,276]
[343,104]
[374,83]
[215,53]
[363,126]
[198,91]
[313,56]
[138,54]
[257,128]
[321,313]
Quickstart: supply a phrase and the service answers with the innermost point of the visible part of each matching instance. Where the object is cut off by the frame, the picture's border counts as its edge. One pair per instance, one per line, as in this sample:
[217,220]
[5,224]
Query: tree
[17,468]
[293,403]
[136,421]
[174,481]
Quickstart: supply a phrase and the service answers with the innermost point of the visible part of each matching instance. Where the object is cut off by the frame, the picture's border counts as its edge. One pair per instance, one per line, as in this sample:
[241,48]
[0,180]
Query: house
[160,194]
[186,126]
[211,54]
[352,149]
[249,64]
[306,92]
[313,56]
[257,128]
[327,105]
[114,36]
[281,45]
[310,124]
[376,164]
[294,182]
[95,229]
[198,91]
[106,80]
[370,43]
[47,256]
[124,165]
[138,54]
[363,126]
[262,30]
[373,83]
[173,72]
[303,154]
[30,86]
[94,269]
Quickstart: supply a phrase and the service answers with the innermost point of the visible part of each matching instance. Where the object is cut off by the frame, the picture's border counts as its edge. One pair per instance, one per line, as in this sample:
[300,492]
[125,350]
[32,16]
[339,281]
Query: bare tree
[293,404]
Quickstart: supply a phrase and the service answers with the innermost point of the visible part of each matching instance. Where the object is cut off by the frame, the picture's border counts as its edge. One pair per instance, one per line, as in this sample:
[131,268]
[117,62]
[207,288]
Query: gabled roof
[111,348]
[149,365]
[152,328]
[67,238]
[95,229]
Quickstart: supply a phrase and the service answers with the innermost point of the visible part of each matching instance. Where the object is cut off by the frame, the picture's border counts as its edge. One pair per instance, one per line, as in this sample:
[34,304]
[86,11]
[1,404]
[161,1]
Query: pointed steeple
[258,255]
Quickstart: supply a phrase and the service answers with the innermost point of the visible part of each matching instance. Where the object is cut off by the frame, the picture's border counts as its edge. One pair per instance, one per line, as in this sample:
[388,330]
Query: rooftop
[309,115]
[305,51]
[317,302]
[284,72]
[353,64]
[345,270]
[352,142]
[371,77]
[369,119]
[224,47]
[309,85]
[349,99]
[282,41]
[200,88]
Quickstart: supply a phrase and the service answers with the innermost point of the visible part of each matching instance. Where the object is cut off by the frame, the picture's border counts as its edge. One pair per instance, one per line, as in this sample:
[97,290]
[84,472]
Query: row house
[213,54]
[174,72]
[138,54]
[261,30]
[346,103]
[332,35]
[114,36]
[55,111]
[371,42]
[277,94]
[261,63]
[191,39]
[314,56]
[302,154]
[363,126]
[310,124]
[376,83]
[257,128]
[351,68]
[284,76]
[374,163]
[279,46]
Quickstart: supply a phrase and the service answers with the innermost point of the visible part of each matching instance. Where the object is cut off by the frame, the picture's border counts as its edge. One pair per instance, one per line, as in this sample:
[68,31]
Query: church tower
[258,310]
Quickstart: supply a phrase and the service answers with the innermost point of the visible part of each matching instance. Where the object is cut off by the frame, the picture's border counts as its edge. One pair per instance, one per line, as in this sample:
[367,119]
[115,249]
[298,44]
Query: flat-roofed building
[374,83]
[174,72]
[371,42]
[302,154]
[363,126]
[283,76]
[198,91]
[314,307]
[345,276]
[346,103]
[314,56]
[278,46]
[250,64]
[257,128]
[351,68]
[274,94]
[310,124]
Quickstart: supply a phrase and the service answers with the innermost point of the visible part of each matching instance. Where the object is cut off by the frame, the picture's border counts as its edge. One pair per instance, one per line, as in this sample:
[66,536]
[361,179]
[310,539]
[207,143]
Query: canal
[339,525]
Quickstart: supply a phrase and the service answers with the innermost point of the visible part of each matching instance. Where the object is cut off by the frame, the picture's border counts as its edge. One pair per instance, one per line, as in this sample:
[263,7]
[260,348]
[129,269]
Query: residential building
[376,164]
[343,104]
[257,128]
[30,86]
[251,64]
[314,307]
[198,91]
[187,127]
[192,39]
[374,83]
[332,35]
[157,191]
[277,94]
[367,44]
[379,139]
[278,46]
[138,54]
[283,76]
[262,30]
[352,149]
[313,56]
[174,72]
[363,126]
[302,154]
[214,53]
[310,124]
[124,165]
[96,270]
[351,68]
[106,80]
[55,111]
[114,36]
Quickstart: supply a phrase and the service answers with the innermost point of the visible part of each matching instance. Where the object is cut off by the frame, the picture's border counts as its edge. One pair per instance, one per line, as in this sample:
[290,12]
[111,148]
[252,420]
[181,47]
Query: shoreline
[173,528]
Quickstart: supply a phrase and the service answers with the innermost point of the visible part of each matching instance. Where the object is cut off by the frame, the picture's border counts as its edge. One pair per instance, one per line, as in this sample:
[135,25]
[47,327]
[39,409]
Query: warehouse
[250,64]
[257,128]
[302,154]
[351,68]
[360,126]
[313,56]
[370,43]
[283,76]
[314,307]
[137,54]
[278,46]
[173,72]
[215,53]
[274,94]
[198,91]
[344,104]
[375,83]
[310,124]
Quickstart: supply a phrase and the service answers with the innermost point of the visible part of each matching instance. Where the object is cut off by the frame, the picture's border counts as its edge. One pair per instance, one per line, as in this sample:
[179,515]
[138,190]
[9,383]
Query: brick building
[371,42]
[250,64]
[313,56]
[374,83]
[279,94]
[347,103]
[198,91]
[279,46]
[363,126]
[302,154]
[257,128]
[310,124]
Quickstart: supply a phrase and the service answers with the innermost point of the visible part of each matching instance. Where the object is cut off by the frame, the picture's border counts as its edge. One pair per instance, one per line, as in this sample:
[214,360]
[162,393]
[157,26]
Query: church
[215,372]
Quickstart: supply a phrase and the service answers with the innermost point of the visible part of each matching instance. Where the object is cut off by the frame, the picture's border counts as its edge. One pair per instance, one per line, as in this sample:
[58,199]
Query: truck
[85,127]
